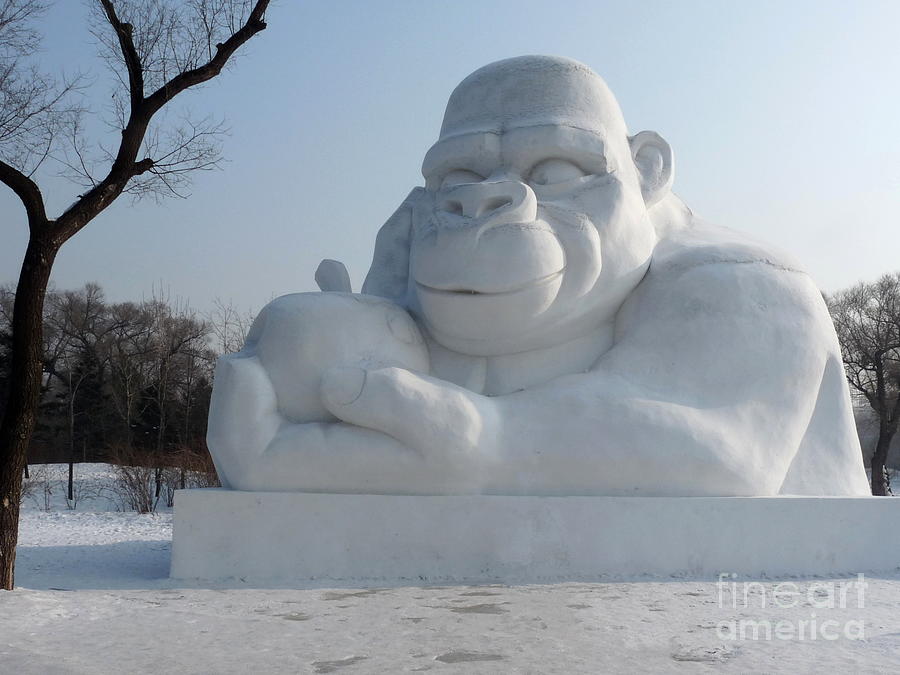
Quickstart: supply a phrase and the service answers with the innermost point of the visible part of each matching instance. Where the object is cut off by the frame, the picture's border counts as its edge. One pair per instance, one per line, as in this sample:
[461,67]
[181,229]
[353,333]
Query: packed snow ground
[93,597]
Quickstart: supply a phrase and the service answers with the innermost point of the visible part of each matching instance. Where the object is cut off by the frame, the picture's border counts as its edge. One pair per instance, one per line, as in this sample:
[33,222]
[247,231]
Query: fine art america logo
[819,606]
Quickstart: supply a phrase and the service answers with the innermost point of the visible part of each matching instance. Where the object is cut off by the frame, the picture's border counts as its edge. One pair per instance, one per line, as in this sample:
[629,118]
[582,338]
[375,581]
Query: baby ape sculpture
[585,333]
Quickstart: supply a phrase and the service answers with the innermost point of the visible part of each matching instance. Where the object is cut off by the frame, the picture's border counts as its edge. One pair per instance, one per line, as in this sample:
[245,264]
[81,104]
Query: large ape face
[534,228]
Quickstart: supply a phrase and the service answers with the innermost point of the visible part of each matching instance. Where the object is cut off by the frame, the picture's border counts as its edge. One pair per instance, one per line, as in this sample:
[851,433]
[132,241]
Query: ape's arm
[256,448]
[709,390]
[725,379]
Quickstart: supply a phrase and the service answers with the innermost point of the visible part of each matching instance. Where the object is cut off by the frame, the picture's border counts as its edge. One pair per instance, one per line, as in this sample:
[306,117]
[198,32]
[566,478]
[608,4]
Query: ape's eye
[460,176]
[553,171]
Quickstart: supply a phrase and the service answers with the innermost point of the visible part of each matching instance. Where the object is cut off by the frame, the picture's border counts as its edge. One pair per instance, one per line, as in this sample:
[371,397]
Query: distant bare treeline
[124,381]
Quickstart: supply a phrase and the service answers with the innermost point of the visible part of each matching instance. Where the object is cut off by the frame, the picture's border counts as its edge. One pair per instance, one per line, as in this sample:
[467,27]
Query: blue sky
[783,117]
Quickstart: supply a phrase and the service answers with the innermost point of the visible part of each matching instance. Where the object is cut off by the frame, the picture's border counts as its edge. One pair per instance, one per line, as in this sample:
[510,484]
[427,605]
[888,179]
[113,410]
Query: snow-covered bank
[74,550]
[116,611]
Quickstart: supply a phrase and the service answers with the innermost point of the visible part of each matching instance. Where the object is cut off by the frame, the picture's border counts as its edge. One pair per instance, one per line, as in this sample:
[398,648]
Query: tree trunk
[128,404]
[71,435]
[880,483]
[24,394]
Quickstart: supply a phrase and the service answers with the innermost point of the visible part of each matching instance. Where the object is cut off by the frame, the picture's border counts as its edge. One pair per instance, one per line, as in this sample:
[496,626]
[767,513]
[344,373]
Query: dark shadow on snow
[121,565]
[137,565]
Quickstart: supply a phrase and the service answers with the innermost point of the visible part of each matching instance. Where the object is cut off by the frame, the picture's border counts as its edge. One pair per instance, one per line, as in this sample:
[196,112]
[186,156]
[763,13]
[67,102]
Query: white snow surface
[93,596]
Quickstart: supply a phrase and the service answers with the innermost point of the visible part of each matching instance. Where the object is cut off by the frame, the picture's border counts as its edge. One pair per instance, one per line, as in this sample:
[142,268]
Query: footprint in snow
[485,608]
[467,657]
[333,595]
[331,666]
[295,616]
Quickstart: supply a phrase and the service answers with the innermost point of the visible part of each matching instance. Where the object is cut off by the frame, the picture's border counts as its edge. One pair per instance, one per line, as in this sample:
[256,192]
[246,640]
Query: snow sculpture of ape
[544,317]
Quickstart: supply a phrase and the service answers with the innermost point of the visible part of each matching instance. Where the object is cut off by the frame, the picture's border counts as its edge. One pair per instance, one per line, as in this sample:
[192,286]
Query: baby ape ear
[389,274]
[653,159]
[332,275]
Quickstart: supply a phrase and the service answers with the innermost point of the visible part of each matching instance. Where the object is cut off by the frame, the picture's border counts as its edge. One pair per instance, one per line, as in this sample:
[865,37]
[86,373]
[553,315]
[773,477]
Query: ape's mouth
[464,291]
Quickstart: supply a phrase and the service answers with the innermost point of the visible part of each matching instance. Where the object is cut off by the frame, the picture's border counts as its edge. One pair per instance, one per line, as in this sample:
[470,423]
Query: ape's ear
[389,274]
[653,159]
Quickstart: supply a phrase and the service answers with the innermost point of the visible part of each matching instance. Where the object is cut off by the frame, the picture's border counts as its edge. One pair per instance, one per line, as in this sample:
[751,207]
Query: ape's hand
[398,433]
[437,419]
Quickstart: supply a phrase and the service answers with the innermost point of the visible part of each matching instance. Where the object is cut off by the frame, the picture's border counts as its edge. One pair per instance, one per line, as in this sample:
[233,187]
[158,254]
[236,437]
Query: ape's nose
[497,202]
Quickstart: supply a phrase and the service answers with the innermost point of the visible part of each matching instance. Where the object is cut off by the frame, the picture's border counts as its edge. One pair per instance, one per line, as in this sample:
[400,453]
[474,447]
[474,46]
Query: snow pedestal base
[359,540]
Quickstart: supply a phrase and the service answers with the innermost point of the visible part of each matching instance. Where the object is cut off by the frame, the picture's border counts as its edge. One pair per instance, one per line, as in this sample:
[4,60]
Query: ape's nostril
[452,206]
[492,204]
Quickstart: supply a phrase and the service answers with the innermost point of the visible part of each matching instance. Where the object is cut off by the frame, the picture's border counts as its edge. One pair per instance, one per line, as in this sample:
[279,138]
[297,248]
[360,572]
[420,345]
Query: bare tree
[83,321]
[157,50]
[179,337]
[229,326]
[867,320]
[130,349]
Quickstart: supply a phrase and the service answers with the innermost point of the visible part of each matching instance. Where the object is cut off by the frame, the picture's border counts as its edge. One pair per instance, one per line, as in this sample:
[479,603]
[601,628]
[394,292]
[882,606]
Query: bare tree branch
[175,153]
[224,50]
[34,110]
[157,26]
[34,107]
[76,168]
[129,54]
[27,191]
[17,37]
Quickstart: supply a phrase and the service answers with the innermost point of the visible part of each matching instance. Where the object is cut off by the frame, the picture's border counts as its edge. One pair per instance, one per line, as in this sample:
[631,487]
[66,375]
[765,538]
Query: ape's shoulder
[731,284]
[700,243]
[719,303]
